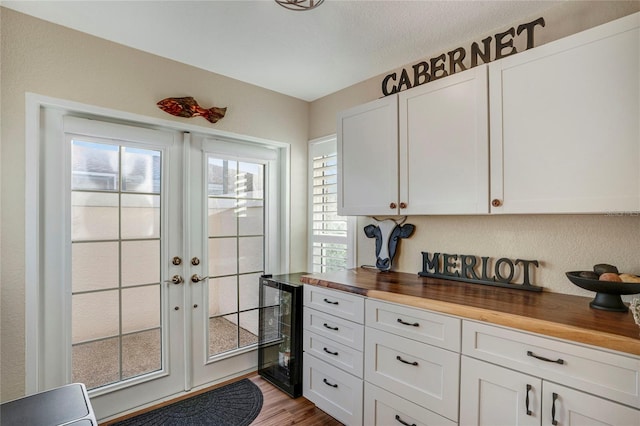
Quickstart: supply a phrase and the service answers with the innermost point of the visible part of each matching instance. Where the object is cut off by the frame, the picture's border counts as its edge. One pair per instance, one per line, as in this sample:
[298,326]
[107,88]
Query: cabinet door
[368,158]
[444,145]
[568,407]
[565,134]
[492,395]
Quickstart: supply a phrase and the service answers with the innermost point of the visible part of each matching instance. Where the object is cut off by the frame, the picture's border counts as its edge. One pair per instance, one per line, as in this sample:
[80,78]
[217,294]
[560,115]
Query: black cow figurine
[387,234]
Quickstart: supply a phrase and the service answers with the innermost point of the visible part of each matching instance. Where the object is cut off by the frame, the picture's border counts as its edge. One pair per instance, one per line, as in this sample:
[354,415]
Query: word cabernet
[465,269]
[436,67]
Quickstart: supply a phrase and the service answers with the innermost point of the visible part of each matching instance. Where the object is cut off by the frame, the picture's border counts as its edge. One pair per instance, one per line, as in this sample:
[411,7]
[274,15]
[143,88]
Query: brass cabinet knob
[496,203]
[403,205]
[393,206]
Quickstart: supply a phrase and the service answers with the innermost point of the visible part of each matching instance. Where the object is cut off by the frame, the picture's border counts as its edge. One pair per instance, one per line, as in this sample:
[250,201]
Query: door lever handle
[176,279]
[195,278]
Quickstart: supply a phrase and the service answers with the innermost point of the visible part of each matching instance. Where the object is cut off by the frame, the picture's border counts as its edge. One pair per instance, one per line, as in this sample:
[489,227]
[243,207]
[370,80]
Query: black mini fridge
[280,332]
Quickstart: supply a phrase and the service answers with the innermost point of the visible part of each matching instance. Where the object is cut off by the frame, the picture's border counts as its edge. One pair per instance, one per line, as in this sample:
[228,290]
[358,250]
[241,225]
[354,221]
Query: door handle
[195,278]
[176,279]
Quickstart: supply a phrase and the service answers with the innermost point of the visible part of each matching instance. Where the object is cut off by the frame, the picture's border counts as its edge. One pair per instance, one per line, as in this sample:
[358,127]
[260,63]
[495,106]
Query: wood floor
[278,409]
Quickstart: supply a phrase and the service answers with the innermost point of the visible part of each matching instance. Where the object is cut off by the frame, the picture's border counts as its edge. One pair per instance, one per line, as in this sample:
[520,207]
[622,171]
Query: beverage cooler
[280,332]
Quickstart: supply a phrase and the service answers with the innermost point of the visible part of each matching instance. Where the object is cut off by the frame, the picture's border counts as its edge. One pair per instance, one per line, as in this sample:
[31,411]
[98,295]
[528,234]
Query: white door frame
[35,360]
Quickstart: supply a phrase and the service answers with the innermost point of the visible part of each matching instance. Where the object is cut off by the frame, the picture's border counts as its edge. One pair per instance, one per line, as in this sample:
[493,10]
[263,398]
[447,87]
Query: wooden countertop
[552,314]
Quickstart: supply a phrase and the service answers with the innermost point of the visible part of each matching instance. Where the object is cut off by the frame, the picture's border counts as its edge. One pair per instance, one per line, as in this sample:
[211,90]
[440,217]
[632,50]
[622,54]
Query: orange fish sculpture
[188,107]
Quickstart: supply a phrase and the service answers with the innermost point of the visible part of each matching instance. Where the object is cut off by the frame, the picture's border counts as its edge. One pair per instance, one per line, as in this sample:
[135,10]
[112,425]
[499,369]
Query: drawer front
[340,330]
[337,393]
[606,374]
[334,302]
[421,373]
[427,327]
[344,357]
[382,408]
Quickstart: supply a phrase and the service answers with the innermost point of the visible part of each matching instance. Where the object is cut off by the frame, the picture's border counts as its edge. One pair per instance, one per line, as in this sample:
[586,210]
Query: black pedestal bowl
[607,292]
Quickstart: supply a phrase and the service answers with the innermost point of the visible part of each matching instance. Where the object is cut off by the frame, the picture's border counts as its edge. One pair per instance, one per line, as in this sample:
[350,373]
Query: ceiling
[308,54]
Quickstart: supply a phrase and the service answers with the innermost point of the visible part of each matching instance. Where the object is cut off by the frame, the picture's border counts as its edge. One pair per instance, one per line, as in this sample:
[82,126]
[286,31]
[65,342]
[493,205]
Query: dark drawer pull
[331,328]
[399,358]
[541,358]
[414,324]
[329,384]
[403,422]
[329,352]
[554,422]
[330,302]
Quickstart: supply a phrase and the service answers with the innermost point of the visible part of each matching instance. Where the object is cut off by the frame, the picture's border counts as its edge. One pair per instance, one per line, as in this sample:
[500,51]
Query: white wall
[51,60]
[560,242]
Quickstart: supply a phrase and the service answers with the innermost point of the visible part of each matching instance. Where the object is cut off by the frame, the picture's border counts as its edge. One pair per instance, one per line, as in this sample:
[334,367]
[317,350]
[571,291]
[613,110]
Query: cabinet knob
[393,206]
[403,205]
[496,203]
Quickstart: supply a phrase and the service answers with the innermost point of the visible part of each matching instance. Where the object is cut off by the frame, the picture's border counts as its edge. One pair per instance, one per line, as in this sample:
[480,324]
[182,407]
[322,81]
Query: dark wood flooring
[278,409]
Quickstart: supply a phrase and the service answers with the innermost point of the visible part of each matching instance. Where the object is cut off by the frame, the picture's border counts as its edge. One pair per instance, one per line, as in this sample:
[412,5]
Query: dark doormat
[236,404]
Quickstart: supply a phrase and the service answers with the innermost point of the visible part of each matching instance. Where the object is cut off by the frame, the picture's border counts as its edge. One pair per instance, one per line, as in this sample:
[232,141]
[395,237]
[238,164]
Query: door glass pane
[116,240]
[235,192]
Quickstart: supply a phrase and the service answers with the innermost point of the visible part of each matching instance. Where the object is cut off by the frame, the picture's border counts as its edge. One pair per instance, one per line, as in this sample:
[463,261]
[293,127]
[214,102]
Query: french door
[152,242]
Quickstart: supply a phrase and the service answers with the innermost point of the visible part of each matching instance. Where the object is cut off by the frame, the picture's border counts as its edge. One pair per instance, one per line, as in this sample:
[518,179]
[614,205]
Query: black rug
[236,404]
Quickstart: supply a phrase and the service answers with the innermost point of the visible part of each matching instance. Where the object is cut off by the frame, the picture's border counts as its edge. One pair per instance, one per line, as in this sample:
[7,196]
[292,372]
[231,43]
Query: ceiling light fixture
[299,4]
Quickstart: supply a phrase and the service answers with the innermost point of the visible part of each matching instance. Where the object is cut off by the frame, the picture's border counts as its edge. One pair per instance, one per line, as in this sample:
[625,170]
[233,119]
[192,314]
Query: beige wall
[51,60]
[560,242]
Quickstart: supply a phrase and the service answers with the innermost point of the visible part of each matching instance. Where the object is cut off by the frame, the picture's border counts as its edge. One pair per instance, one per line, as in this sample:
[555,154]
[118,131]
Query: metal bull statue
[387,233]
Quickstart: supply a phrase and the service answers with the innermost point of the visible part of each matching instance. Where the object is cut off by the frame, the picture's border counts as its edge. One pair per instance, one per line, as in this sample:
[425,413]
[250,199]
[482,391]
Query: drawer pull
[527,400]
[403,422]
[541,358]
[333,385]
[413,324]
[330,302]
[399,358]
[554,422]
[331,328]
[329,352]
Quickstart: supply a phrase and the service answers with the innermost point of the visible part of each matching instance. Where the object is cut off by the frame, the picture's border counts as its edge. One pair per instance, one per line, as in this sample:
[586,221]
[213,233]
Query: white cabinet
[565,133]
[444,145]
[423,151]
[333,339]
[523,379]
[368,158]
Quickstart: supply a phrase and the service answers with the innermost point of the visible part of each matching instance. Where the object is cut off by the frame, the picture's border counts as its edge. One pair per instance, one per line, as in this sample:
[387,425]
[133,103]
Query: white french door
[150,246]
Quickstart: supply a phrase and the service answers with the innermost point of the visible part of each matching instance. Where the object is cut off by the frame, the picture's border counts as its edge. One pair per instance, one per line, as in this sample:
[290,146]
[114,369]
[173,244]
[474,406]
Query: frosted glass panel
[249,181]
[222,217]
[94,216]
[140,170]
[221,177]
[250,217]
[140,308]
[249,291]
[250,254]
[140,216]
[141,353]
[94,315]
[140,262]
[222,256]
[94,166]
[223,295]
[95,266]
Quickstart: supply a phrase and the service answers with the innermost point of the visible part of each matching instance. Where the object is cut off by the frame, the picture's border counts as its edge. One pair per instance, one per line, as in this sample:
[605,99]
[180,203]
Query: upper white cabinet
[368,158]
[423,151]
[565,135]
[444,145]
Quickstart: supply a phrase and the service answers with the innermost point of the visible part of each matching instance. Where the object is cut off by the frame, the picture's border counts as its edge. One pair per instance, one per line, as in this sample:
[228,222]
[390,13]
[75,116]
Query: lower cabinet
[491,395]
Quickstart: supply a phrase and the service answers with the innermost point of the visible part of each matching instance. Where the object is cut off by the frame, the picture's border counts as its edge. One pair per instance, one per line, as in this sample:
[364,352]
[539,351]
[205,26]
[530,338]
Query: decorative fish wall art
[188,107]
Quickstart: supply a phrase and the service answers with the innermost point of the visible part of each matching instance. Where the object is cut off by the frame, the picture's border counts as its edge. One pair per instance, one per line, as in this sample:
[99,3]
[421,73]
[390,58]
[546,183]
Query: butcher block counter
[551,314]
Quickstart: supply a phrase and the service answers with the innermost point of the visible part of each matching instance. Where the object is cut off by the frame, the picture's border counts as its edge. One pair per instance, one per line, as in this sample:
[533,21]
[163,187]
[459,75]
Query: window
[332,237]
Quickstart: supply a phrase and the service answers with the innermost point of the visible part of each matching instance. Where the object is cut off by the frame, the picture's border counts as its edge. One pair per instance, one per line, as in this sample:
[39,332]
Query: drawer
[382,408]
[427,327]
[344,357]
[610,375]
[423,374]
[340,330]
[332,390]
[334,302]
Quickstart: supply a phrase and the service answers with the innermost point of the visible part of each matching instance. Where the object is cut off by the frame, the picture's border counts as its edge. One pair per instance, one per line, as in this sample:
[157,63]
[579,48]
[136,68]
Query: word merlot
[474,269]
[436,67]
